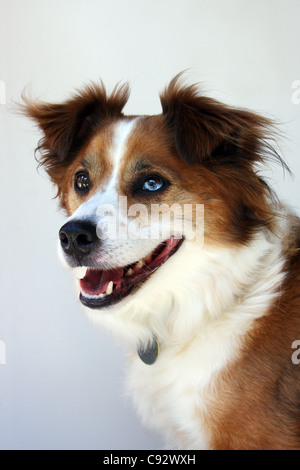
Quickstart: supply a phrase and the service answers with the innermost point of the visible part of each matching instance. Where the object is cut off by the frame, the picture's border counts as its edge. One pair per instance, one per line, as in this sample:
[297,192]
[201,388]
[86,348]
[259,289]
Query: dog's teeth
[109,288]
[148,258]
[81,272]
[140,264]
[129,272]
[94,296]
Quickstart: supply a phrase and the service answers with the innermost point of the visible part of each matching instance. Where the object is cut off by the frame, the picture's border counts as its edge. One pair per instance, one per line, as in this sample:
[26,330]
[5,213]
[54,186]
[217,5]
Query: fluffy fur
[225,311]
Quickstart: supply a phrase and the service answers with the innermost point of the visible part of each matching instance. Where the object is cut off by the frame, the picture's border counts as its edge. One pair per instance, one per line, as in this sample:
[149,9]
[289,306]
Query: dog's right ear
[66,126]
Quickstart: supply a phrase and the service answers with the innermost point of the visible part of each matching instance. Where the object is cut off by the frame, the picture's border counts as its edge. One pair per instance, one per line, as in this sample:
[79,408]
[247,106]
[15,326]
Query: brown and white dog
[212,322]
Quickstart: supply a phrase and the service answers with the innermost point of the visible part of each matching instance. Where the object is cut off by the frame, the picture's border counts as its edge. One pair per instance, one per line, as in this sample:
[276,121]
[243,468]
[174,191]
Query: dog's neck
[230,287]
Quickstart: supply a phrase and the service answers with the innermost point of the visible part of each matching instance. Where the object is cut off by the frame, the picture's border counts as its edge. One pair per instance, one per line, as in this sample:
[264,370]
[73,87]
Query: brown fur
[256,402]
[92,157]
[220,143]
[68,126]
[209,152]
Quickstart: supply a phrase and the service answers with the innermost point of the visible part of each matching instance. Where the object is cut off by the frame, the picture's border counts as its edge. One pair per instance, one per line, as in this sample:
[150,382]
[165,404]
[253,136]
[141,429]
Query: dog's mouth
[102,288]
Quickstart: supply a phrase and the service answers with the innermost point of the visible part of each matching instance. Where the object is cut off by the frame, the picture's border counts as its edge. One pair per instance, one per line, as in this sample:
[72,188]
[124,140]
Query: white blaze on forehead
[90,209]
[122,133]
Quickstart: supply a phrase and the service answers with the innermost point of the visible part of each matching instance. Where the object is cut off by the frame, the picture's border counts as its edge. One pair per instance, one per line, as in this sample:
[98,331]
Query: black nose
[77,238]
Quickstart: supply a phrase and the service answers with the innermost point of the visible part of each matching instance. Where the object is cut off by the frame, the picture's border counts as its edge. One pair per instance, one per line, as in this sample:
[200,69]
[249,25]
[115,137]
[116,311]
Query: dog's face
[121,194]
[134,188]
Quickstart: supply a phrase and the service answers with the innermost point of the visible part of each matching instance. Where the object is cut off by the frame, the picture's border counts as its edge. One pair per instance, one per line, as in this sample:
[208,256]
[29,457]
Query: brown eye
[82,182]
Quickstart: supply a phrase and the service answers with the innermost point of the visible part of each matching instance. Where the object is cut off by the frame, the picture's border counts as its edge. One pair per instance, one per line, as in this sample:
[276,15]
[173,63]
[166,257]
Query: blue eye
[152,184]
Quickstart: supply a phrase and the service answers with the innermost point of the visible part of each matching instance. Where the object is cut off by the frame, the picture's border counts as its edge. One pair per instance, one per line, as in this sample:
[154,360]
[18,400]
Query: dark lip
[137,283]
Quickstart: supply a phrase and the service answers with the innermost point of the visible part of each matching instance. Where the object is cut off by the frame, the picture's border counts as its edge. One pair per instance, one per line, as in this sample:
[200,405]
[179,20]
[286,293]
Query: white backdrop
[61,386]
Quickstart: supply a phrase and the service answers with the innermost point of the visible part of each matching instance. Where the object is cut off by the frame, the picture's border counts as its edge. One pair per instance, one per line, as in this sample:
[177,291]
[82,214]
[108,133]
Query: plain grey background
[61,386]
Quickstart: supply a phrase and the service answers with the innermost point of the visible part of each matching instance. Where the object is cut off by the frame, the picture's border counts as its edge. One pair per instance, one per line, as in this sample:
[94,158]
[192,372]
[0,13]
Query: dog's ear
[205,129]
[67,126]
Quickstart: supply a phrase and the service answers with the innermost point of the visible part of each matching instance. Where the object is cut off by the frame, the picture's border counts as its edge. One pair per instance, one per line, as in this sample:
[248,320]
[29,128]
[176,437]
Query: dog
[209,308]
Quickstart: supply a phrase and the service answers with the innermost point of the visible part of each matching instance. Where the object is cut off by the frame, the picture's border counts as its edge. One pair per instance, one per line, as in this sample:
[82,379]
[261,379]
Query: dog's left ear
[205,129]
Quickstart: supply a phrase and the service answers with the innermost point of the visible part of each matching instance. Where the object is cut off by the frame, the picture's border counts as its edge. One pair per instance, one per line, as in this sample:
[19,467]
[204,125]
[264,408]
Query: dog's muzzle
[102,285]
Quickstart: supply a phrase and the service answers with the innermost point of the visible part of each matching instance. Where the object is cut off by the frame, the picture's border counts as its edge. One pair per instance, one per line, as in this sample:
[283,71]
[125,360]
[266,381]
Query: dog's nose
[77,238]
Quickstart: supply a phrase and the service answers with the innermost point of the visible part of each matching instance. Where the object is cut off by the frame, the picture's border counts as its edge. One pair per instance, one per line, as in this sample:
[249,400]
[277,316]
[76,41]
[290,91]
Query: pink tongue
[163,255]
[96,281]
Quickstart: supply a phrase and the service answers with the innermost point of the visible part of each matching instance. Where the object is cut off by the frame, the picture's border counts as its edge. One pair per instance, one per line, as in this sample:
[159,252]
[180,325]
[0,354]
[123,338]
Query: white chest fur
[209,302]
[170,394]
[167,395]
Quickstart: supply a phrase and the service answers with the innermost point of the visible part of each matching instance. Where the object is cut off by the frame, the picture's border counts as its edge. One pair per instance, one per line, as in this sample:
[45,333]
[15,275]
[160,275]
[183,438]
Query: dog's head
[134,188]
